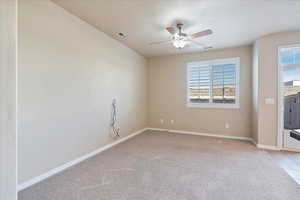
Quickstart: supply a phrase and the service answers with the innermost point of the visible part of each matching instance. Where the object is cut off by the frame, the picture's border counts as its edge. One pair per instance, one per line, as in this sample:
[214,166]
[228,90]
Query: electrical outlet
[162,121]
[226,125]
[172,121]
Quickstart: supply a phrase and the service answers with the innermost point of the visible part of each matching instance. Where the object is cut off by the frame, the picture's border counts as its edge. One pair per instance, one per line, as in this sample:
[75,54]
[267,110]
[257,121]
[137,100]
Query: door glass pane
[287,56]
[291,85]
[297,55]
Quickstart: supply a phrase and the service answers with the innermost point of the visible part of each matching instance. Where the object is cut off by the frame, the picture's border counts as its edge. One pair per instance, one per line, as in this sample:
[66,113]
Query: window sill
[213,105]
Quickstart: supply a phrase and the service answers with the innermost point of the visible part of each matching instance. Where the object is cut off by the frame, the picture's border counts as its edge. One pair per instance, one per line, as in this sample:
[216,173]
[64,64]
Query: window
[213,84]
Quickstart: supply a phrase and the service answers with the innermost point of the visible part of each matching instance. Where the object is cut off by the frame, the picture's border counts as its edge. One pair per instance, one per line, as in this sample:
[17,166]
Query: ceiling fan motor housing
[179,25]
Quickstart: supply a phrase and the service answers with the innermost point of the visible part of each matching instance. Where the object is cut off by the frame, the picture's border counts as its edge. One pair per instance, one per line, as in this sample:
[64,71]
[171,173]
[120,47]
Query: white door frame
[280,102]
[280,99]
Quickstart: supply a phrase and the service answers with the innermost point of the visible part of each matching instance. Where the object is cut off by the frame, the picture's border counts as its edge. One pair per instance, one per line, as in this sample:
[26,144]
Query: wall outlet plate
[227,125]
[269,101]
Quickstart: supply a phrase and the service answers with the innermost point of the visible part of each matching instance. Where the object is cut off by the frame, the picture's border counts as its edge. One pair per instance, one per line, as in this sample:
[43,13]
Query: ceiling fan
[180,39]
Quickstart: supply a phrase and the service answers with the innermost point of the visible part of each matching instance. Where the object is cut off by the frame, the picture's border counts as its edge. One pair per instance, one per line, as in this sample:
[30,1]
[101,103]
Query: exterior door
[289,63]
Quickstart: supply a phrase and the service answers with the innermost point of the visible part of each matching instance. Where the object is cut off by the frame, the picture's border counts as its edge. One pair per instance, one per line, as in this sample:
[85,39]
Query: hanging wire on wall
[114,127]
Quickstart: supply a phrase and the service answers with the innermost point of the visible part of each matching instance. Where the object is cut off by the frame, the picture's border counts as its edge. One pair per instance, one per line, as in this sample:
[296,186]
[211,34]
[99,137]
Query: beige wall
[69,72]
[7,100]
[268,83]
[167,95]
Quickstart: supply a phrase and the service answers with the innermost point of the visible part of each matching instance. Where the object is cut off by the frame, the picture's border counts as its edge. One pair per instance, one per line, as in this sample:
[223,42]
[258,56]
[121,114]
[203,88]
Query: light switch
[269,101]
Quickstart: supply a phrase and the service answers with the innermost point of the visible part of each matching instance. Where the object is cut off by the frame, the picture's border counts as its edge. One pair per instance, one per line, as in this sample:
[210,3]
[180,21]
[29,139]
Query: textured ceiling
[234,22]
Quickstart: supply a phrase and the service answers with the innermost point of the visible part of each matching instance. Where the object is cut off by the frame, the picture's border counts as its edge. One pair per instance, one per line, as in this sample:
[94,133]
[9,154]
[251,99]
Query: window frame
[235,61]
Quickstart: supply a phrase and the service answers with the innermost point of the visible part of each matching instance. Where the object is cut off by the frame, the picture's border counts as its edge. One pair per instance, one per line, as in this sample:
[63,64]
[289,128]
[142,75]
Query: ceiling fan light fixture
[179,44]
[179,41]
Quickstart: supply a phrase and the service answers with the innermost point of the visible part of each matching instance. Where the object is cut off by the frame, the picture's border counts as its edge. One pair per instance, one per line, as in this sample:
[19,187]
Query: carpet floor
[167,166]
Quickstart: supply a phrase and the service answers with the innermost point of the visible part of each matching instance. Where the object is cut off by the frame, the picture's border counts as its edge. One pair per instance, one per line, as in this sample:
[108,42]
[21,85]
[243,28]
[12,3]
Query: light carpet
[166,166]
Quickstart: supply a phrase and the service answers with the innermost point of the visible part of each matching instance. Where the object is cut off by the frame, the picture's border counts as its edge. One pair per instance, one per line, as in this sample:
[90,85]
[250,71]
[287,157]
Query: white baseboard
[268,147]
[54,171]
[261,146]
[158,129]
[204,134]
[290,149]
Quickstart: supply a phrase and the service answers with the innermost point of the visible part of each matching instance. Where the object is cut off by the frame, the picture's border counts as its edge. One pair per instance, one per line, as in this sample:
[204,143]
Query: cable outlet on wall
[227,125]
[162,121]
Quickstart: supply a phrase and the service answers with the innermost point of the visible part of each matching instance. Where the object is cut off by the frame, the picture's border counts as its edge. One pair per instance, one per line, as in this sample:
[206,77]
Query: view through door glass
[290,65]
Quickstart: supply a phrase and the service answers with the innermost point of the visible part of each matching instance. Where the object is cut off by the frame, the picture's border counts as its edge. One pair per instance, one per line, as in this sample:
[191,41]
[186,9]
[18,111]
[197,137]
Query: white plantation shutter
[213,83]
[199,83]
[223,83]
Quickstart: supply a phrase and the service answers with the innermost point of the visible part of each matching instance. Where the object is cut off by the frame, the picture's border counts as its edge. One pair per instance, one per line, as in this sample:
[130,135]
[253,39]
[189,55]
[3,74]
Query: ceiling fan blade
[171,30]
[197,43]
[205,48]
[160,42]
[202,33]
